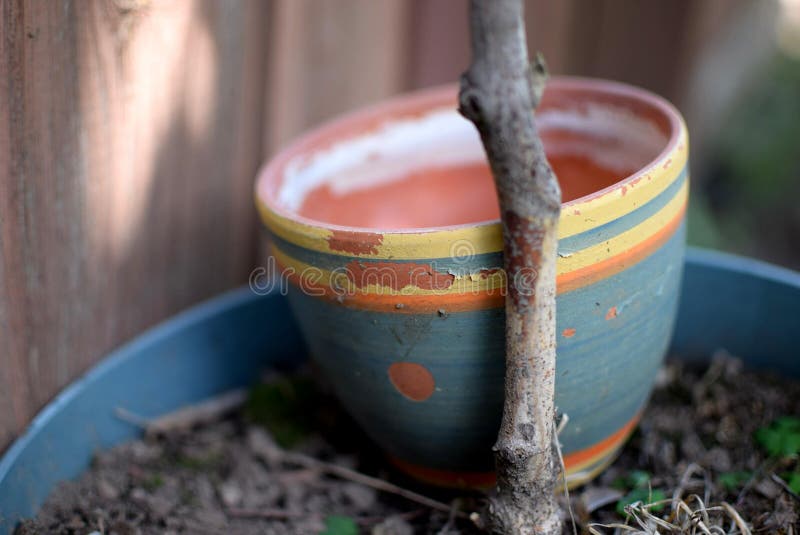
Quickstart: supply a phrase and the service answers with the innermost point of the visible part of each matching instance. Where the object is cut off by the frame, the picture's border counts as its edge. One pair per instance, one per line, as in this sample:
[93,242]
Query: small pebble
[143,452]
[394,525]
[231,493]
[106,490]
[76,523]
[360,496]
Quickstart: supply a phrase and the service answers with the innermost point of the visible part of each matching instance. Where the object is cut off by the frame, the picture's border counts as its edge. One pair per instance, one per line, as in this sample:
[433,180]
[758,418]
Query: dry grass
[680,516]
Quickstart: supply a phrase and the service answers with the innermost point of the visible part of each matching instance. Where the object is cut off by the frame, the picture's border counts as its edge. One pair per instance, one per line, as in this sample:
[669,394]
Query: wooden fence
[131,131]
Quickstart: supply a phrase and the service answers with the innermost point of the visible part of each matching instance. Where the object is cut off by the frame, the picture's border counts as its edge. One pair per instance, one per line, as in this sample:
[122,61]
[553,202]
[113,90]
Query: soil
[702,435]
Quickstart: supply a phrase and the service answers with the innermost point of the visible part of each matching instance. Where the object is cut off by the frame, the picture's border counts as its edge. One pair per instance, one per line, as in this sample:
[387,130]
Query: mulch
[702,449]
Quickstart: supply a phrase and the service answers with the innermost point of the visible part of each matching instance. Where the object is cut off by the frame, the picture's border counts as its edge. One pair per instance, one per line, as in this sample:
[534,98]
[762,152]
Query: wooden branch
[499,93]
[183,419]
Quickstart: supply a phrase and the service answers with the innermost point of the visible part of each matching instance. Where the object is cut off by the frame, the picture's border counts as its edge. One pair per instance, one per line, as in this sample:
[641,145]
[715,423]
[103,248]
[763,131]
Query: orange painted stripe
[575,461]
[581,458]
[446,478]
[403,304]
[611,266]
[495,298]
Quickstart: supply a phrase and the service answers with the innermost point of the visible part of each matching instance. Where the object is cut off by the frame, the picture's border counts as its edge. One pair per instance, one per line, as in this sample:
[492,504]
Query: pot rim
[374,115]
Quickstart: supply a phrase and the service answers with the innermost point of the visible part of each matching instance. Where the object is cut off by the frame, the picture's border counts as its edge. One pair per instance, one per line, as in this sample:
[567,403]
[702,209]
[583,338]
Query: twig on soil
[267,514]
[409,515]
[131,417]
[685,480]
[559,428]
[207,411]
[785,486]
[273,454]
[562,424]
[451,518]
[765,468]
[737,518]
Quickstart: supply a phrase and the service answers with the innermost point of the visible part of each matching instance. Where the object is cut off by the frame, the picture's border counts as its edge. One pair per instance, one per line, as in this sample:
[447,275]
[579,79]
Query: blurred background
[132,131]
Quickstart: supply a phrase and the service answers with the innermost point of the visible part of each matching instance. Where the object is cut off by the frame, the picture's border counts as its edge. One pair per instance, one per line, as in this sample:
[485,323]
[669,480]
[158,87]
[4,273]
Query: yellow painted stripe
[478,282]
[624,241]
[410,245]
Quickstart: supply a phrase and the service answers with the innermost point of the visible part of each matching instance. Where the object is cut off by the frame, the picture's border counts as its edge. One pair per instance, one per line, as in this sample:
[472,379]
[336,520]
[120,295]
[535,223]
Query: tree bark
[499,94]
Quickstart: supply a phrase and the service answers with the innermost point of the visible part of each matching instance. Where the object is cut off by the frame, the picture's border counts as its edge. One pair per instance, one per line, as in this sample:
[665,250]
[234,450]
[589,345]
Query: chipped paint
[397,275]
[359,243]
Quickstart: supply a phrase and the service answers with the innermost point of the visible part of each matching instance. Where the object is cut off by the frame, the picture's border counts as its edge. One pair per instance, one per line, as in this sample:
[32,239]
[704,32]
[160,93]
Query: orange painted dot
[412,380]
[568,333]
[612,313]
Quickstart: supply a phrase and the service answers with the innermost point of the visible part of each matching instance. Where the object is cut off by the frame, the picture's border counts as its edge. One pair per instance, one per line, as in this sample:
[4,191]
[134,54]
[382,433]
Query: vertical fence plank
[130,132]
[439,48]
[549,25]
[638,41]
[330,57]
[634,41]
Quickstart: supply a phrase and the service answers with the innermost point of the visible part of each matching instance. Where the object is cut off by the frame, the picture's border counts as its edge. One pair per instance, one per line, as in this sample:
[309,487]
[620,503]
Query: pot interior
[426,168]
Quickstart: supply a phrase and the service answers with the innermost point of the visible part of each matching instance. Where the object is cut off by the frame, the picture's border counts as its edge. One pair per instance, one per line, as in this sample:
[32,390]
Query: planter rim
[436,96]
[124,353]
[743,265]
[216,345]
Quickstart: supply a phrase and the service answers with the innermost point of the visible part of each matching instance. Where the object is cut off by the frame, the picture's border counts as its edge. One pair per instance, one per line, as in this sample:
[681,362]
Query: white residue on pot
[437,139]
[613,137]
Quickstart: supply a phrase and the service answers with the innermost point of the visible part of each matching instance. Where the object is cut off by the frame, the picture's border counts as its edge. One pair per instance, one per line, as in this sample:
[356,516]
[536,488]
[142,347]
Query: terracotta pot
[385,225]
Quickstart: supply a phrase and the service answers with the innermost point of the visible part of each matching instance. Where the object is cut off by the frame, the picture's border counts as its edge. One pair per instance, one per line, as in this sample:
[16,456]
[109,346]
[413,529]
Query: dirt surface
[707,433]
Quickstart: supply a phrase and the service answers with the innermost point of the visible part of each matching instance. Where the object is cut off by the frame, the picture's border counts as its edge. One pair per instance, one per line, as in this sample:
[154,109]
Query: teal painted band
[330,261]
[605,369]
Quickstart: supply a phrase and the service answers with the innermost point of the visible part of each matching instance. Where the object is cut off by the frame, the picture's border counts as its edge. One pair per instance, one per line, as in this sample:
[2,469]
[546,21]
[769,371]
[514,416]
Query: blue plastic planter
[750,308]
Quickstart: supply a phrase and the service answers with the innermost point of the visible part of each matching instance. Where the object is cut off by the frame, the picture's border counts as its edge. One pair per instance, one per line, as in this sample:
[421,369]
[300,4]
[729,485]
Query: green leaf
[781,438]
[631,480]
[201,463]
[732,481]
[644,495]
[152,483]
[638,478]
[339,525]
[793,480]
[285,407]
